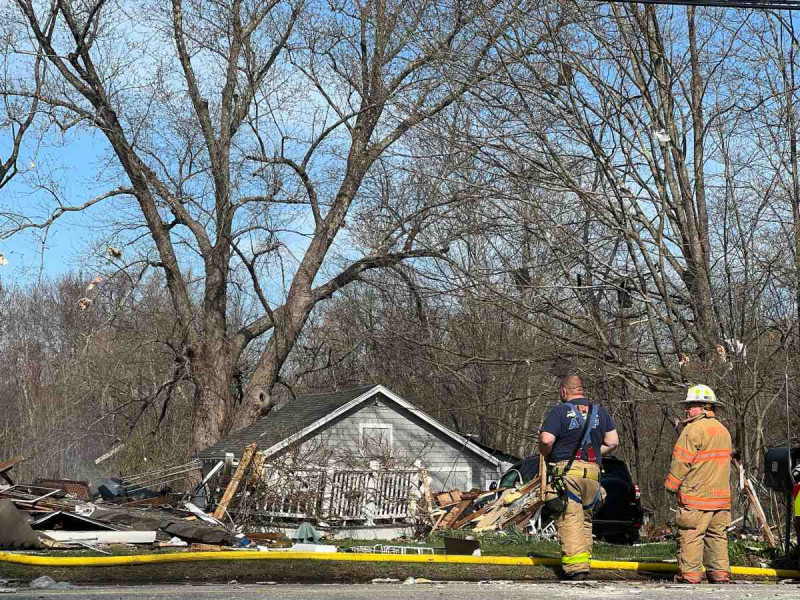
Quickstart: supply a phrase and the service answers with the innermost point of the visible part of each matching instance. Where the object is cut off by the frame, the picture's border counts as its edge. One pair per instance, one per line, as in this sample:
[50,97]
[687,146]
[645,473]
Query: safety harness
[585,441]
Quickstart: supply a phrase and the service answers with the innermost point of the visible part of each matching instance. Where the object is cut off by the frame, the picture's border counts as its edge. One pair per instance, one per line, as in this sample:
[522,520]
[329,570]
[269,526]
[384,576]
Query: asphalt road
[459,591]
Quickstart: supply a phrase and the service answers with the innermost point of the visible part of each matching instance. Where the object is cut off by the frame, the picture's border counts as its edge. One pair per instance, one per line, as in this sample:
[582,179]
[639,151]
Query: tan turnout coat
[701,465]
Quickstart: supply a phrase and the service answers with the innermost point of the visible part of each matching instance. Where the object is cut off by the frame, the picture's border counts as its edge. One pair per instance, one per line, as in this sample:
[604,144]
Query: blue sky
[72,165]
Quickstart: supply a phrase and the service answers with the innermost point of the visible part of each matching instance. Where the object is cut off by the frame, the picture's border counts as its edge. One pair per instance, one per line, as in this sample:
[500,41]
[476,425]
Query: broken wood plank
[454,514]
[471,517]
[247,456]
[448,498]
[439,520]
[542,476]
[258,469]
[6,466]
[757,508]
[503,510]
[522,514]
[488,521]
[205,548]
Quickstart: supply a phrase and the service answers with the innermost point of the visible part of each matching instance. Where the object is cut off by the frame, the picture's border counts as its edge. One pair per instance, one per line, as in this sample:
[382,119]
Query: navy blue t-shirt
[561,422]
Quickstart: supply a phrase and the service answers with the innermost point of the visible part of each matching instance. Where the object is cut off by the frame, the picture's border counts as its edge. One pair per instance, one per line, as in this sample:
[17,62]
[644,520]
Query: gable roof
[309,413]
[282,423]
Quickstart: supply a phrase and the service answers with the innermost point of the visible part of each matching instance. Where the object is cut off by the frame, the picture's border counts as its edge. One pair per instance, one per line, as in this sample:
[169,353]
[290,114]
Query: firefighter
[573,438]
[700,476]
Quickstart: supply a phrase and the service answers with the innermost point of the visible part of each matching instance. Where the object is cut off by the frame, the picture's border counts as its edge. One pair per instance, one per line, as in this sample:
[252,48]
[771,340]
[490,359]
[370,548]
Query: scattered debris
[94,283]
[324,548]
[101,537]
[247,456]
[72,488]
[175,542]
[62,520]
[417,580]
[6,466]
[661,136]
[205,548]
[109,454]
[306,533]
[195,510]
[14,529]
[750,491]
[45,582]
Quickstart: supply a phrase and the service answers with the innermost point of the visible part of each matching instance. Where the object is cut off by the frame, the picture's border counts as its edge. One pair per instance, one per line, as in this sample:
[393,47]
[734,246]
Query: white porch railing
[342,496]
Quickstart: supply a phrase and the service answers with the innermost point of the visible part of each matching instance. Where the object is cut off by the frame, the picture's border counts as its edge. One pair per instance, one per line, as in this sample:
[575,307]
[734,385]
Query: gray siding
[449,465]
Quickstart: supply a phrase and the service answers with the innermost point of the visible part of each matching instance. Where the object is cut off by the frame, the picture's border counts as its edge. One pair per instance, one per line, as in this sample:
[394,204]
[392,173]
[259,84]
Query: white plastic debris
[85,510]
[176,541]
[3,260]
[196,511]
[737,348]
[45,582]
[661,136]
[416,581]
[324,548]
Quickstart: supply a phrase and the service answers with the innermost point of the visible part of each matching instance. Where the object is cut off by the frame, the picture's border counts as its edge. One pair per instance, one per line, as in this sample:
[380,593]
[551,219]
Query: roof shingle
[278,425]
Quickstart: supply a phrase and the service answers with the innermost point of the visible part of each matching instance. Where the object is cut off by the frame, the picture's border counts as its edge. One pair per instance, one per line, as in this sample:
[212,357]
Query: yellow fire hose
[519,561]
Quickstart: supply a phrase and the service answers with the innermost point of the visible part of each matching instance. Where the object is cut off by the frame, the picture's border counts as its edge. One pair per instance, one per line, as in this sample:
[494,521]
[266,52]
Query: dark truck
[620,517]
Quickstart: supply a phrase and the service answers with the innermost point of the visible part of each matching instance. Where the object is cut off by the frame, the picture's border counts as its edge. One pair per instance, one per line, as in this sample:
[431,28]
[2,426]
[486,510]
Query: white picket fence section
[363,496]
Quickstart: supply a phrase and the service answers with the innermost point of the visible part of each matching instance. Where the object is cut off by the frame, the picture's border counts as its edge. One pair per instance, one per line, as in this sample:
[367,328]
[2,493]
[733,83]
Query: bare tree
[263,119]
[17,114]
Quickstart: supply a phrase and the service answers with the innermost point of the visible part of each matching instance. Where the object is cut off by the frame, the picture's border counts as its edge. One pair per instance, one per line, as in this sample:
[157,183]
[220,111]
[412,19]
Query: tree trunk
[258,399]
[214,405]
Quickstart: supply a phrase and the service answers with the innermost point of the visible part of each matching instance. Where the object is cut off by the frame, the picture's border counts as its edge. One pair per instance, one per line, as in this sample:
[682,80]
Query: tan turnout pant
[702,540]
[574,525]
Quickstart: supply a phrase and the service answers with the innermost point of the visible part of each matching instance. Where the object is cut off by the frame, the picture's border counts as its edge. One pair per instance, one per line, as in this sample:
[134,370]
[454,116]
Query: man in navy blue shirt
[562,434]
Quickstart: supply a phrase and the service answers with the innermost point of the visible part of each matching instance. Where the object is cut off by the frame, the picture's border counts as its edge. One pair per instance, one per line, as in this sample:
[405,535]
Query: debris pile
[487,510]
[62,514]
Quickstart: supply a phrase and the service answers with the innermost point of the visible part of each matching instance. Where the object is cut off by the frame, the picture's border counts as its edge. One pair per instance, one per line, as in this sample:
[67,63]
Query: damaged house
[355,459]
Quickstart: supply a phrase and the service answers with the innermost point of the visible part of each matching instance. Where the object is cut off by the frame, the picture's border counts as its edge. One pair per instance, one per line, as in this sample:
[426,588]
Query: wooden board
[542,476]
[471,517]
[247,456]
[452,516]
[753,498]
[502,513]
[522,514]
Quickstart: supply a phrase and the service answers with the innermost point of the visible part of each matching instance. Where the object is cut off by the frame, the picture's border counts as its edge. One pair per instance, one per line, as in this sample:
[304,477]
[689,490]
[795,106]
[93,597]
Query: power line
[754,4]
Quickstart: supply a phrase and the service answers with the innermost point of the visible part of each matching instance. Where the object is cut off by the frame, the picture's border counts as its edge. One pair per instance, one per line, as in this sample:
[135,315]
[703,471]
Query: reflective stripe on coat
[701,464]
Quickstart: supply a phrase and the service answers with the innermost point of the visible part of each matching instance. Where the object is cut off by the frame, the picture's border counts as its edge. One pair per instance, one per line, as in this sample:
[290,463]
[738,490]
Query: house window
[377,440]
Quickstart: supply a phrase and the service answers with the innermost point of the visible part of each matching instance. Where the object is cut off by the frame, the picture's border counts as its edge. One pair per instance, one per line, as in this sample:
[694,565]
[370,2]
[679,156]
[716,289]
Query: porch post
[369,507]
